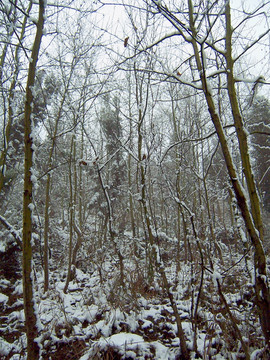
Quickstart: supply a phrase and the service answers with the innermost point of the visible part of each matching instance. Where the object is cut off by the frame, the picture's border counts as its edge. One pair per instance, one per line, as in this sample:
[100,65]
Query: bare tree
[252,217]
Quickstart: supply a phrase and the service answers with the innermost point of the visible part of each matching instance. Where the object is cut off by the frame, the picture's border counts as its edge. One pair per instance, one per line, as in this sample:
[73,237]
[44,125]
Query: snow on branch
[11,229]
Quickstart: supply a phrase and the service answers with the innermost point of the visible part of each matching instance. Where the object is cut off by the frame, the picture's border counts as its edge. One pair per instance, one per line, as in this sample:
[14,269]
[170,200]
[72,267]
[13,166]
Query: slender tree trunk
[153,256]
[261,281]
[46,232]
[240,129]
[30,316]
[71,217]
[77,245]
[131,205]
[210,223]
[48,182]
[233,321]
[251,219]
[13,84]
[141,170]
[78,229]
[111,228]
[178,191]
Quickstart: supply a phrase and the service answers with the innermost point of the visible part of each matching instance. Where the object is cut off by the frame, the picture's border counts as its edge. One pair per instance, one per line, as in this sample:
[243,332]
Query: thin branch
[192,140]
[254,42]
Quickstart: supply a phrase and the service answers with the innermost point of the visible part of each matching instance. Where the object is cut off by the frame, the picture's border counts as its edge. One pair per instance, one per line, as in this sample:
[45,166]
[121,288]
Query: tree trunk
[46,232]
[71,216]
[240,129]
[13,84]
[48,182]
[251,219]
[30,316]
[154,264]
[261,282]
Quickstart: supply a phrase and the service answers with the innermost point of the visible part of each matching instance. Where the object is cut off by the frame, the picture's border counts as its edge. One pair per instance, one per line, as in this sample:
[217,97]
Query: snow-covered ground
[98,318]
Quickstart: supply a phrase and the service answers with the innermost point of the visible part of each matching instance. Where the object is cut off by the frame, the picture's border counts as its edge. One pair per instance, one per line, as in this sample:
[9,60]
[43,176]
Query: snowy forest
[134,179]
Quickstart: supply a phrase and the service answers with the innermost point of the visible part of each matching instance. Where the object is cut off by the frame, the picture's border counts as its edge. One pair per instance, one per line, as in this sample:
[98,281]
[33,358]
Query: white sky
[253,64]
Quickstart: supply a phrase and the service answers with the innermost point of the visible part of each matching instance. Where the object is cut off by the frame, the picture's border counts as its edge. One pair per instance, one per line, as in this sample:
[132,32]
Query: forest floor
[100,318]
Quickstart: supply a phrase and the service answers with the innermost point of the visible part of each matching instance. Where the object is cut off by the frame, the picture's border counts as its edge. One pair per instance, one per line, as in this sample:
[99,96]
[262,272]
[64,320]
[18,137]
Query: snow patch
[5,347]
[3,299]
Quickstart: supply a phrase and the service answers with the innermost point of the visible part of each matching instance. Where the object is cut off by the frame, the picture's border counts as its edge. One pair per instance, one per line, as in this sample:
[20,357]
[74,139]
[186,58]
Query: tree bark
[251,219]
[71,215]
[254,221]
[48,182]
[30,315]
[240,129]
[8,125]
[154,264]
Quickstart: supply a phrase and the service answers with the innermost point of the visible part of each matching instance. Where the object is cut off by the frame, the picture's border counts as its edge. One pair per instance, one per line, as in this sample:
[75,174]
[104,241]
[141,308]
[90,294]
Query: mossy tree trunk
[30,315]
[251,218]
